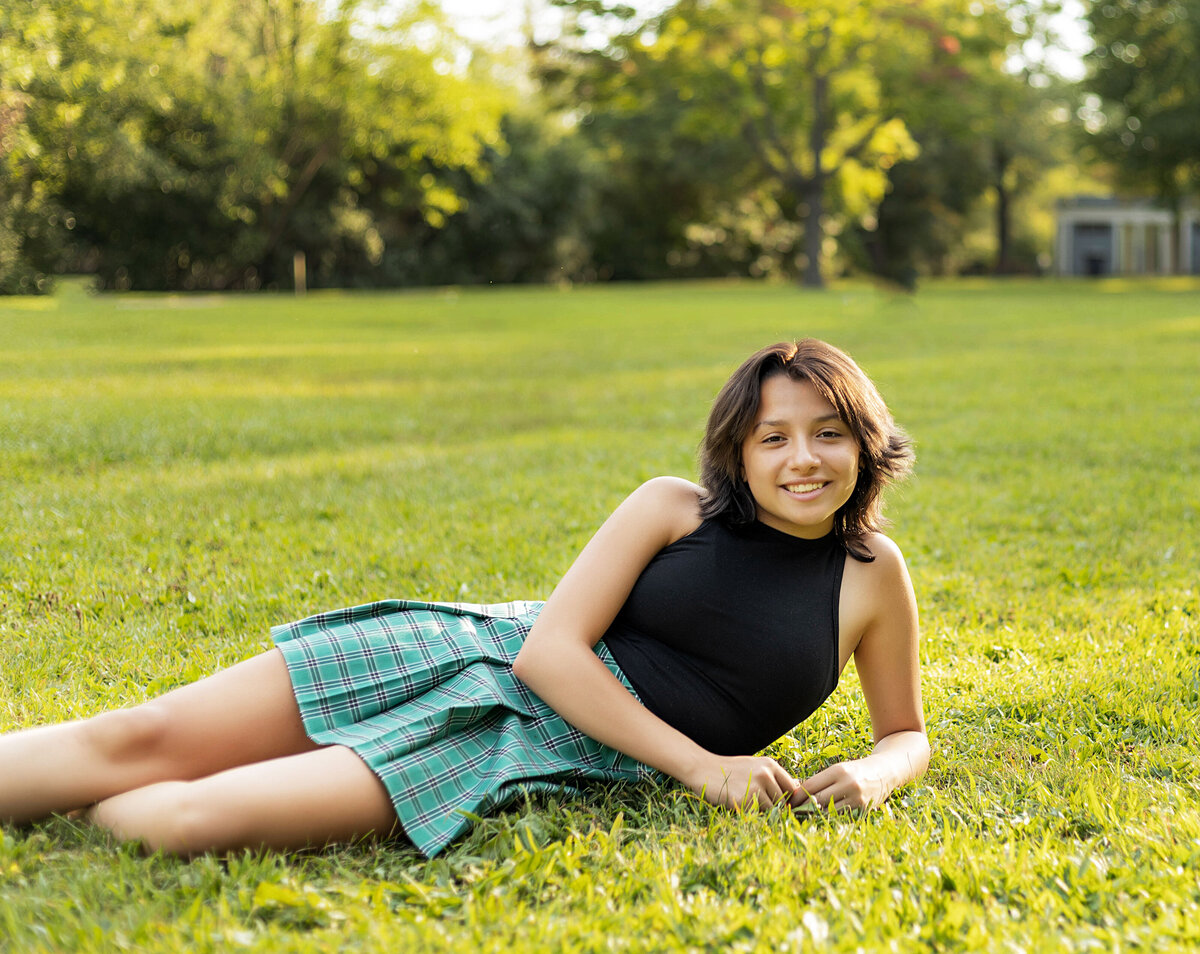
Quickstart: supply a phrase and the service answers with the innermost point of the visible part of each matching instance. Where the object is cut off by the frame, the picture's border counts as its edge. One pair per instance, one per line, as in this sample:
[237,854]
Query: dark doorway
[1093,246]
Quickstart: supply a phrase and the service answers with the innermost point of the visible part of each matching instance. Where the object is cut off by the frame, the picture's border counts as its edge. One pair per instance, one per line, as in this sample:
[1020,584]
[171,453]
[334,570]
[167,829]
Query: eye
[829,433]
[773,439]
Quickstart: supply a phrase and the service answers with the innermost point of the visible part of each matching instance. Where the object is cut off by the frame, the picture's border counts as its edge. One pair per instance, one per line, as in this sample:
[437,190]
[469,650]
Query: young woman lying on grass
[697,626]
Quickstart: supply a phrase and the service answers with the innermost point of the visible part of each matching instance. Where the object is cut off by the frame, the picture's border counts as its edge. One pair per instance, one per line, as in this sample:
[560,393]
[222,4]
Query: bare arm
[889,670]
[557,661]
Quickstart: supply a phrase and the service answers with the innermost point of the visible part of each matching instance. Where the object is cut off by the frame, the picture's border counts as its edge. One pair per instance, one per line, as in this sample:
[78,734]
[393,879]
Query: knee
[125,735]
[189,824]
[172,817]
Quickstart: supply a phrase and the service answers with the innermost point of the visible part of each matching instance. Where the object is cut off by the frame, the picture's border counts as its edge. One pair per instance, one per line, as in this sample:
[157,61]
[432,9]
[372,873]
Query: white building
[1098,236]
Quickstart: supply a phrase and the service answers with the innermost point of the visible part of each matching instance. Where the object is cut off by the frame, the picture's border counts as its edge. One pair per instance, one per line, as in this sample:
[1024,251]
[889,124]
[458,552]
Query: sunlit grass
[177,474]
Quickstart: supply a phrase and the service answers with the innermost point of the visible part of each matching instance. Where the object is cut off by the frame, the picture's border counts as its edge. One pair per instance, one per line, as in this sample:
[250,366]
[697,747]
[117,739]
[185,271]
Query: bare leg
[246,713]
[300,801]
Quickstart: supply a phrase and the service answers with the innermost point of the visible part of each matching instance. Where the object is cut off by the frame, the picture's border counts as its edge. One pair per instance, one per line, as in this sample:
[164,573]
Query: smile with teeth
[805,488]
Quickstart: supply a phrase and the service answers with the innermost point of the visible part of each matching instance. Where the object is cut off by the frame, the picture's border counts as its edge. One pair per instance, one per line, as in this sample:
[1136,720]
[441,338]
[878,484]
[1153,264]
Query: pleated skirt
[425,695]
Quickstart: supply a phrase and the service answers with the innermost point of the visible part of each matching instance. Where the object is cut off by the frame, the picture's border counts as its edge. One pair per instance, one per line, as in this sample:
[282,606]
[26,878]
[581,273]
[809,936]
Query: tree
[989,117]
[361,121]
[781,94]
[201,147]
[1145,79]
[33,223]
[941,85]
[524,219]
[1024,135]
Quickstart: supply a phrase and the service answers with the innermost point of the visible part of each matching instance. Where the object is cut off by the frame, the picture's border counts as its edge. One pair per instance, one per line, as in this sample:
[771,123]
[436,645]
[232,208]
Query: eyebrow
[824,419]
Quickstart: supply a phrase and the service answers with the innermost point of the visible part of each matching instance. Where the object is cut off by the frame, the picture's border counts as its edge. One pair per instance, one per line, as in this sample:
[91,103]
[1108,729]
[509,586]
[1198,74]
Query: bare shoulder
[889,561]
[670,502]
[885,579]
[594,589]
[876,592]
[676,488]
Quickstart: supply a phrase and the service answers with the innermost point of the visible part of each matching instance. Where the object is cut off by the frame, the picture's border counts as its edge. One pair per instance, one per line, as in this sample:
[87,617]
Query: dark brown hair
[885,452]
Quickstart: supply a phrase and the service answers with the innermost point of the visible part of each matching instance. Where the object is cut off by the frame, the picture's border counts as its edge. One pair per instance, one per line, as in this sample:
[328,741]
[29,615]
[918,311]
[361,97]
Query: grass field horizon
[179,473]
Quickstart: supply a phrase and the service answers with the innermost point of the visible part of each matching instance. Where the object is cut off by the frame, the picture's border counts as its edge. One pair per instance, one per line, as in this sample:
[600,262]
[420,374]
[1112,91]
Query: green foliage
[756,137]
[181,472]
[159,147]
[30,223]
[1143,71]
[201,150]
[526,216]
[760,94]
[983,129]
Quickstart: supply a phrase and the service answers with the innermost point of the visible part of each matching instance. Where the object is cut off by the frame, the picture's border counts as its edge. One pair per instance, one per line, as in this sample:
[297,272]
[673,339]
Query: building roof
[1099,202]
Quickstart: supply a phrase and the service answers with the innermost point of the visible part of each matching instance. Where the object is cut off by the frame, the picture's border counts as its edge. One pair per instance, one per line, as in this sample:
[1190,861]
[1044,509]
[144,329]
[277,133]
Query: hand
[742,781]
[853,784]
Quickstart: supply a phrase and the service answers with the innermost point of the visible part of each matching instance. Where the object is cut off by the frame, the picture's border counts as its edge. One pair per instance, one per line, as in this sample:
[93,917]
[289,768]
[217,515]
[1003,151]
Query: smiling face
[800,459]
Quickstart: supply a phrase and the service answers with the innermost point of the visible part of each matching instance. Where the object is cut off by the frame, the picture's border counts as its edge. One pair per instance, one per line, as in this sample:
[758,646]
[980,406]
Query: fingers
[757,782]
[820,788]
[824,801]
[768,782]
[830,794]
[753,782]
[777,785]
[759,790]
[845,785]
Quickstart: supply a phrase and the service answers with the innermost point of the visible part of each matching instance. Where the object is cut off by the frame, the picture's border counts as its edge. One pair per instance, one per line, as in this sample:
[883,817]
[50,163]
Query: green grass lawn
[179,473]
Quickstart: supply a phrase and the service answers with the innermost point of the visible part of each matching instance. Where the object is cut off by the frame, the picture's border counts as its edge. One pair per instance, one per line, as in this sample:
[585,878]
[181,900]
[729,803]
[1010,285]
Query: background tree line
[159,147]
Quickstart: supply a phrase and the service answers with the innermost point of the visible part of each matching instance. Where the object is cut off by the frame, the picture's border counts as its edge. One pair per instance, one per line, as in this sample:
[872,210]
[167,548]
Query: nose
[804,456]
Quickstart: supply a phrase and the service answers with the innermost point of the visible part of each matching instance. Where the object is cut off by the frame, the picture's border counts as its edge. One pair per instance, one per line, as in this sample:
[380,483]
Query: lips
[805,488]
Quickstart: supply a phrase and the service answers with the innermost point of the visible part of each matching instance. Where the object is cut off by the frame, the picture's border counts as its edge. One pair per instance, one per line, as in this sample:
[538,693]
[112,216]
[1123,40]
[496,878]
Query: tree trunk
[1003,212]
[813,237]
[813,195]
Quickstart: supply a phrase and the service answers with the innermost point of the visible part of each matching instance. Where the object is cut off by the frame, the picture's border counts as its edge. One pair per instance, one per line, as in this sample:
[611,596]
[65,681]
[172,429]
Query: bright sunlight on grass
[177,474]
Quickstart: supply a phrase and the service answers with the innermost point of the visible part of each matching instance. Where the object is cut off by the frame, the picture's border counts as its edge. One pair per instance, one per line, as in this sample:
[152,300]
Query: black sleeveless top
[731,633]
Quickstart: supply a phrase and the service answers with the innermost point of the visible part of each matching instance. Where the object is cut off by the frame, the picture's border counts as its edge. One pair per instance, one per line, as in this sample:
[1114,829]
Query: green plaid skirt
[424,693]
